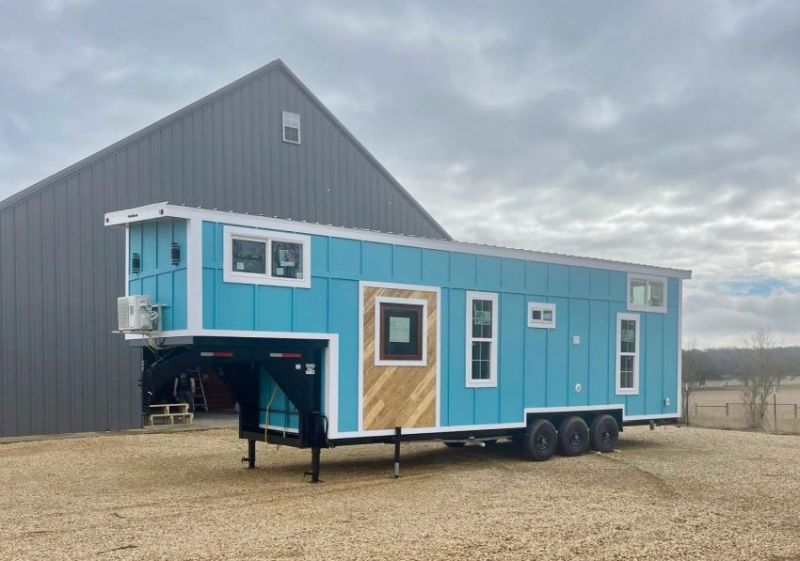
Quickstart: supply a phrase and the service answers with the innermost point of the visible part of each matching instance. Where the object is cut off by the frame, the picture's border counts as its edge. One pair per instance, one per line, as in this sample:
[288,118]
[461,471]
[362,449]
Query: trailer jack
[251,454]
[314,471]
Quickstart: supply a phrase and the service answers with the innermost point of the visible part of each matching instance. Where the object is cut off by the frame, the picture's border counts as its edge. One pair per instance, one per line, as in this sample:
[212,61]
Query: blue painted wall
[536,367]
[158,278]
[282,412]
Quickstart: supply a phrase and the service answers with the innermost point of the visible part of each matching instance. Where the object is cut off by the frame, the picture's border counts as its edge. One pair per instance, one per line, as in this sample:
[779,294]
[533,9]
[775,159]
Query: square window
[249,256]
[401,331]
[287,260]
[647,294]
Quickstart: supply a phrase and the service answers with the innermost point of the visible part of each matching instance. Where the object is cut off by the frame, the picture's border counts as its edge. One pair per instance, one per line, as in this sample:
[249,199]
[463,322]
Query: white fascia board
[160,210]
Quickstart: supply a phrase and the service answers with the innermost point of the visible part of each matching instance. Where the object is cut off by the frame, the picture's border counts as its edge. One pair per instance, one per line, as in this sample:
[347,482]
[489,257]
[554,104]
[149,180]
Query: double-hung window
[647,293]
[481,341]
[628,344]
[291,127]
[253,256]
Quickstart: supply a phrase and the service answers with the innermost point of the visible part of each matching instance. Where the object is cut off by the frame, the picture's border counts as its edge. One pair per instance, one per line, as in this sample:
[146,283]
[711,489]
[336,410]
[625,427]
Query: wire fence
[778,417]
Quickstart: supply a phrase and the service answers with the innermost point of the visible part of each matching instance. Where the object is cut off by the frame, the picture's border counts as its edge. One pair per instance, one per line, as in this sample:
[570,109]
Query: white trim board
[163,210]
[502,426]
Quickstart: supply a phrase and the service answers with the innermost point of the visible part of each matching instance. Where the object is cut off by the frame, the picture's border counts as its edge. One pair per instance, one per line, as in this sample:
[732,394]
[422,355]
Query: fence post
[695,409]
[726,409]
[775,410]
[795,410]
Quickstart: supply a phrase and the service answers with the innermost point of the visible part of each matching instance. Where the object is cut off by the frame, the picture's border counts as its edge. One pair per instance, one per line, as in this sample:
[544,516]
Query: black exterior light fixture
[175,253]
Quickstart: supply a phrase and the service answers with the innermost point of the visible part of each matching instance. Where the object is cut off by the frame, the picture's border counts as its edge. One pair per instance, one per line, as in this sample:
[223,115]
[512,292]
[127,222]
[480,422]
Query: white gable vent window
[291,127]
[541,315]
[647,294]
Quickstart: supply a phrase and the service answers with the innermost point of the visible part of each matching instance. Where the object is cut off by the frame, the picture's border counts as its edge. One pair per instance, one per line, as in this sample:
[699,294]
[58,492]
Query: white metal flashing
[163,210]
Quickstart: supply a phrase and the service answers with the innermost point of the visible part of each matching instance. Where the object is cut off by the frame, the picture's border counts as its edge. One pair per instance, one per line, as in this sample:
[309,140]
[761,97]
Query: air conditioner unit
[135,313]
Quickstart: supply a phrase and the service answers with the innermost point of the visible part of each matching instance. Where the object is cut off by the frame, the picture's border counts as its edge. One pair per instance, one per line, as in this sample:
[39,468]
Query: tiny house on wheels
[330,336]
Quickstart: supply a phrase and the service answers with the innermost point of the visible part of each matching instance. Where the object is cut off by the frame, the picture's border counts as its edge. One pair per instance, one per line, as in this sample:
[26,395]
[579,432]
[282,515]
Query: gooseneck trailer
[332,336]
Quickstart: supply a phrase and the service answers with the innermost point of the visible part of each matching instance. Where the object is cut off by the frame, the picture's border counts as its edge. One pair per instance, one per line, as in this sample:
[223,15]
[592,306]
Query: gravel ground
[675,493]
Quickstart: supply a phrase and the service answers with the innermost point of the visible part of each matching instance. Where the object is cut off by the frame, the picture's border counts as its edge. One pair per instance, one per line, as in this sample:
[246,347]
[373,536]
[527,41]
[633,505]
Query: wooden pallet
[181,417]
[171,411]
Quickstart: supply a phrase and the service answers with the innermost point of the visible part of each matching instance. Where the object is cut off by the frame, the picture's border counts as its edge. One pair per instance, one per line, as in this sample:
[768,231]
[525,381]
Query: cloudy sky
[658,132]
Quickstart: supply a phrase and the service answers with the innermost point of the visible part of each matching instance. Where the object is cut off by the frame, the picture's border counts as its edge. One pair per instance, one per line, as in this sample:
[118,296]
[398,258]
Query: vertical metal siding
[61,368]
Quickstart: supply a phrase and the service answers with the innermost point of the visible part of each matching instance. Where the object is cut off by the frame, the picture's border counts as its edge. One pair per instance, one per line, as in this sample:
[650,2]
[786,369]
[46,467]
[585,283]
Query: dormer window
[291,127]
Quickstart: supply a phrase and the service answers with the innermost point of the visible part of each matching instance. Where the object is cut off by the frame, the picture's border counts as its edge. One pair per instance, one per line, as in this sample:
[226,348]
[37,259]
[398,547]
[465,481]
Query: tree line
[756,368]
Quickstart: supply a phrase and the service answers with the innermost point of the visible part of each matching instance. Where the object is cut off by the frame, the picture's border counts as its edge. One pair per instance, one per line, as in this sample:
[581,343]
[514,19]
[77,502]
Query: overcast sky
[665,133]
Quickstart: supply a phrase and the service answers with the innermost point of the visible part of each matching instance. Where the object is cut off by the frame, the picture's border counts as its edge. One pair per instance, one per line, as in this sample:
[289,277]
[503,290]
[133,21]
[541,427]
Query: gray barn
[263,144]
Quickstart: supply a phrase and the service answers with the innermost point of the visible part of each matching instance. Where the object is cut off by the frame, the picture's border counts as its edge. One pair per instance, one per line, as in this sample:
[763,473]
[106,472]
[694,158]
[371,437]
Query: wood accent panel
[398,396]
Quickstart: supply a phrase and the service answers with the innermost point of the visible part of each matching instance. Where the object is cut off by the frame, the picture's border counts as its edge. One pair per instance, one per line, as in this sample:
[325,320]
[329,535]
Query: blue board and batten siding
[536,367]
[158,278]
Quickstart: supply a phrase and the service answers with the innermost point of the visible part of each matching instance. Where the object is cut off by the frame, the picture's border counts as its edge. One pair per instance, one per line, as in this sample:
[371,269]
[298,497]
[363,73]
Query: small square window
[291,127]
[401,327]
[287,260]
[541,315]
[647,294]
[400,331]
[249,256]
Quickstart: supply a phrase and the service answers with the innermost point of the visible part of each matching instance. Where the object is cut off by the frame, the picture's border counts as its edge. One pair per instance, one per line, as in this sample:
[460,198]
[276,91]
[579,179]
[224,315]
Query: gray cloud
[657,132]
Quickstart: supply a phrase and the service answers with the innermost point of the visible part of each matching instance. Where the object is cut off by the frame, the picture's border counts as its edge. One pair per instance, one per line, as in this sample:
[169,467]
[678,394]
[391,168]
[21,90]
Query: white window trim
[645,308]
[377,331]
[541,323]
[492,381]
[635,389]
[287,118]
[233,232]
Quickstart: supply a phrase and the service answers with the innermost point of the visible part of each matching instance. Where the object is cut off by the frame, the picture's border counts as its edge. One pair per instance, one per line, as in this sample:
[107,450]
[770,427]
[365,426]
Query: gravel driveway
[674,493]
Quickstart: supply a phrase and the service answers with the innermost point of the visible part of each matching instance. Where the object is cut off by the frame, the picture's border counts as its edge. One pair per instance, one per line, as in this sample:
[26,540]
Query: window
[481,341]
[628,354]
[401,327]
[291,127]
[262,257]
[541,315]
[647,294]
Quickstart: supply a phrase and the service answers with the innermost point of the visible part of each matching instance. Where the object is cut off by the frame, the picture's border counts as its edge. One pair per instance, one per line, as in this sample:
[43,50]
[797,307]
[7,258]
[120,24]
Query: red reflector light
[218,354]
[285,355]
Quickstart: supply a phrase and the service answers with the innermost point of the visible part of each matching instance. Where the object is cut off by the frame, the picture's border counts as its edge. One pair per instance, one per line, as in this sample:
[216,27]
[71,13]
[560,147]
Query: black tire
[604,433]
[540,440]
[454,443]
[573,436]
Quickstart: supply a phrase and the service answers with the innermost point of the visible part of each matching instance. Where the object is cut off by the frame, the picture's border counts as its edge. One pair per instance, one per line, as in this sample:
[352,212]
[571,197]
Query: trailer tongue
[294,366]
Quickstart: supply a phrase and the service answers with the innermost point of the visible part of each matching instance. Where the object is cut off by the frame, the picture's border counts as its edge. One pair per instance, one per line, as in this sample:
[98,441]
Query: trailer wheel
[454,443]
[540,440]
[573,436]
[604,433]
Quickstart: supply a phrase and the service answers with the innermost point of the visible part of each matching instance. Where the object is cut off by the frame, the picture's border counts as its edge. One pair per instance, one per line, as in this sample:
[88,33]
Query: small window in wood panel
[401,332]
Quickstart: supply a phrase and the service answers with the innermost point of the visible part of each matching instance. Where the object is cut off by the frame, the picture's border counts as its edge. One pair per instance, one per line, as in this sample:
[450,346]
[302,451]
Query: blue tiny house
[332,335]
